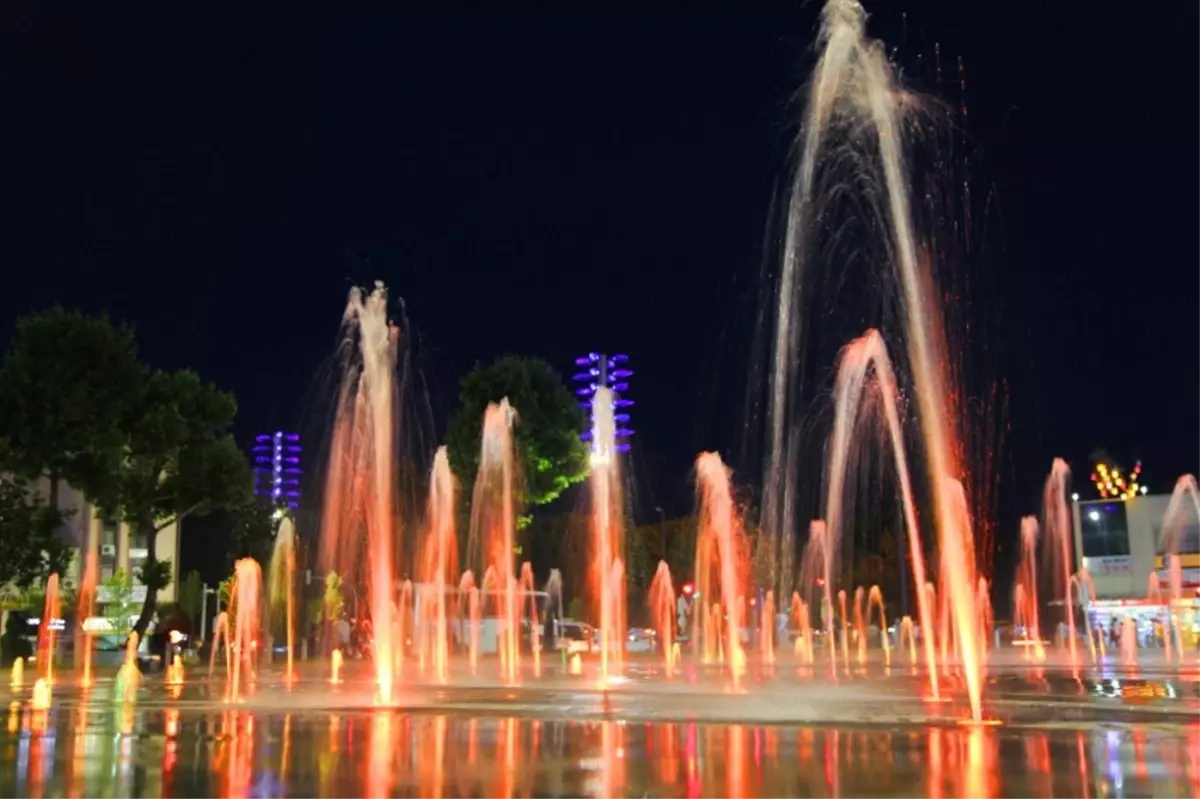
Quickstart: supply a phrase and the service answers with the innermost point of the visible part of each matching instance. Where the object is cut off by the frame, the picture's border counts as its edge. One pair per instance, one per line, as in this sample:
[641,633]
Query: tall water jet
[282,583]
[221,634]
[84,608]
[719,553]
[360,479]
[662,612]
[816,572]
[129,676]
[440,561]
[1184,498]
[493,525]
[853,86]
[247,594]
[1059,534]
[51,616]
[1025,600]
[854,368]
[608,532]
[875,600]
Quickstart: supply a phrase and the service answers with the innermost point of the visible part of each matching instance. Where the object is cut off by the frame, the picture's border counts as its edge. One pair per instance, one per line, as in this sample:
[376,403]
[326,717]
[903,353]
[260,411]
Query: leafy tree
[179,459]
[252,534]
[549,422]
[332,599]
[119,607]
[191,595]
[29,538]
[67,386]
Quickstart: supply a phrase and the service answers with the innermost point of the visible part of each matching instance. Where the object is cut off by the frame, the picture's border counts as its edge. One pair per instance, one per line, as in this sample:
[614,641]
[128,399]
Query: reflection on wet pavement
[94,749]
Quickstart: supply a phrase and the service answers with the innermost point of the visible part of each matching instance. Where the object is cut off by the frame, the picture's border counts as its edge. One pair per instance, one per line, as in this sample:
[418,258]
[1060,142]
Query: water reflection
[177,751]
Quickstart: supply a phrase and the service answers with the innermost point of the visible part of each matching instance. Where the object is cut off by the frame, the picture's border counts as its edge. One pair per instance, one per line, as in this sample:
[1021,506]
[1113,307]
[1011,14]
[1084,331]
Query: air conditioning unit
[108,549]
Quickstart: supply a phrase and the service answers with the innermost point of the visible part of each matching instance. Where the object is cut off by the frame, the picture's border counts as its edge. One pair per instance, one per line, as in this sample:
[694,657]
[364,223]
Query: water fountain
[84,608]
[493,528]
[855,366]
[439,563]
[282,573]
[853,87]
[719,559]
[1025,591]
[51,617]
[129,676]
[662,611]
[245,597]
[608,533]
[359,490]
[1056,520]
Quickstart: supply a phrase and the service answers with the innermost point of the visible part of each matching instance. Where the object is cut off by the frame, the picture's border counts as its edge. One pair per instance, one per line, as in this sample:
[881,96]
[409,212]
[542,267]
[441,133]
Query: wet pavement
[1094,736]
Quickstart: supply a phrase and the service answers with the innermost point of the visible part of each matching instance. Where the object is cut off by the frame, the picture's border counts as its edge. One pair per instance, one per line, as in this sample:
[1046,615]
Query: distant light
[1094,515]
[1075,497]
[1144,489]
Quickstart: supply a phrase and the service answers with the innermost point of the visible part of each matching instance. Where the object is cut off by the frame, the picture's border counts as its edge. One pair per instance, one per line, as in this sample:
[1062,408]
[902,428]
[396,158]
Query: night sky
[598,178]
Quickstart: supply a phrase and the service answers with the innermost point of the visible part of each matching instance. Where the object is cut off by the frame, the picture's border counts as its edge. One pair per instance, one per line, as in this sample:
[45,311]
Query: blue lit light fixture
[611,371]
[277,468]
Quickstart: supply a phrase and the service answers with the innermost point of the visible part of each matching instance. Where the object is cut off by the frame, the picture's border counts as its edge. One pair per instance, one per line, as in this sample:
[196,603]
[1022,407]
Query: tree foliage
[119,607]
[32,549]
[179,460]
[148,447]
[191,595]
[67,387]
[548,425]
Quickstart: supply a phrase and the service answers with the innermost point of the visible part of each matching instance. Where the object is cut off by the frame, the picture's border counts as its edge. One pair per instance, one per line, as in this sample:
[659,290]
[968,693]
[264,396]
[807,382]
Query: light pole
[204,609]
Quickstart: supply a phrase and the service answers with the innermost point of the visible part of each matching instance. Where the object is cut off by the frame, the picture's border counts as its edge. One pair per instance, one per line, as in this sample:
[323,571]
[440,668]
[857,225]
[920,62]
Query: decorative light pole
[277,471]
[603,370]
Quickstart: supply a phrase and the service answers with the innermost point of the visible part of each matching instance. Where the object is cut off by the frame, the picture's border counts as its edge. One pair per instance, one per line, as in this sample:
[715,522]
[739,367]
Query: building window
[1103,528]
[108,549]
[137,554]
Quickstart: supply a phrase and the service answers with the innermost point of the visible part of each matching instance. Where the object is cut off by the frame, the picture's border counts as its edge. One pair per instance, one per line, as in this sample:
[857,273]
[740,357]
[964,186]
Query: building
[1118,541]
[117,545]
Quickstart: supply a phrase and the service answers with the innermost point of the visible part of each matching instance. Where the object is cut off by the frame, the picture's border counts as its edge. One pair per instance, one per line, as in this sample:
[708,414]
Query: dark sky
[597,178]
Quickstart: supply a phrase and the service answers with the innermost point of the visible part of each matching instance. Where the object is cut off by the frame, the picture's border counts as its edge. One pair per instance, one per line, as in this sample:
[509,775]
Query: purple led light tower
[277,469]
[611,371]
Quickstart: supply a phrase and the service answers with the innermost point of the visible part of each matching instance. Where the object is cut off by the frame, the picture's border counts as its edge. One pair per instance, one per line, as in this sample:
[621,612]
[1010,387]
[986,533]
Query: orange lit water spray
[662,611]
[283,572]
[84,609]
[493,522]
[248,588]
[720,526]
[859,359]
[854,80]
[51,617]
[360,479]
[440,559]
[608,531]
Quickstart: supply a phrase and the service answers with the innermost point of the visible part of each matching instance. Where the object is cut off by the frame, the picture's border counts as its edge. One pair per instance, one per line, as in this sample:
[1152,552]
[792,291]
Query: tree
[252,534]
[179,459]
[119,606]
[332,600]
[67,385]
[29,538]
[549,422]
[191,595]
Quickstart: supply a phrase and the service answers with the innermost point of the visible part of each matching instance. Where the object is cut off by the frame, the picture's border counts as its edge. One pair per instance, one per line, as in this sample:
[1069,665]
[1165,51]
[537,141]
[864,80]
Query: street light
[204,610]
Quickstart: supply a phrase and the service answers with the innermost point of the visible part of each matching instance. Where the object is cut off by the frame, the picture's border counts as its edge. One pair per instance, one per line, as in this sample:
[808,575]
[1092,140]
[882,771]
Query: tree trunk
[149,569]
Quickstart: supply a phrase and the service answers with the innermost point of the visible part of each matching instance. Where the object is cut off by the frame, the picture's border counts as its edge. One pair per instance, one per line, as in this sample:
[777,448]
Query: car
[573,636]
[641,639]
